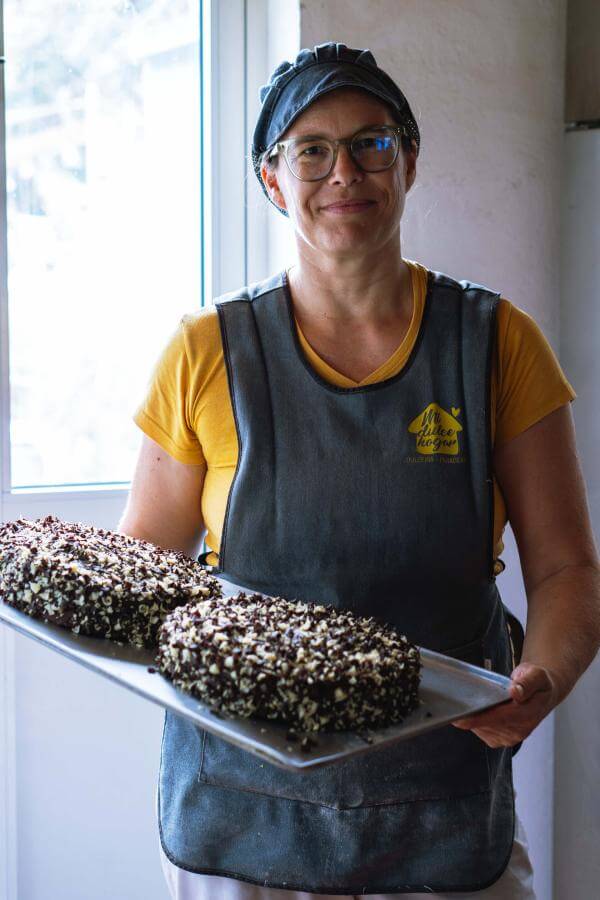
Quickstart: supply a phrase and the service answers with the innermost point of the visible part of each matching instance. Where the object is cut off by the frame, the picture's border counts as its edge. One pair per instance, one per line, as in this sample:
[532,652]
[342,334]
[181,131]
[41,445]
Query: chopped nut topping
[96,582]
[268,666]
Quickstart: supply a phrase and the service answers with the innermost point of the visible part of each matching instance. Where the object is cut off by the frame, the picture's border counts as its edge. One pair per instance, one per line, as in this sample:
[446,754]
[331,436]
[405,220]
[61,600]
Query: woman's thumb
[527,679]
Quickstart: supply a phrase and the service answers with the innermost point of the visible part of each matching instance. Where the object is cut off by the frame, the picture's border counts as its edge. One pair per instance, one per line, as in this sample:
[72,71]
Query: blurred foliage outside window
[103,163]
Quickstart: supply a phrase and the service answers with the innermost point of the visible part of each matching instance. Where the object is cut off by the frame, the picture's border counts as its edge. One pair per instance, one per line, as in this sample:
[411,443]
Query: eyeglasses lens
[310,160]
[372,150]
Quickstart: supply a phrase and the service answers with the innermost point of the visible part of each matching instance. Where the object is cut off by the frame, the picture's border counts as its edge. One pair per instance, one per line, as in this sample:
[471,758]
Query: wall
[85,754]
[577,782]
[577,786]
[485,81]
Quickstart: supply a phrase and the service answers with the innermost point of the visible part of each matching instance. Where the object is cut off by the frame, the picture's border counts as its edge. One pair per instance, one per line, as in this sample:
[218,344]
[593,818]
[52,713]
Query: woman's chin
[345,242]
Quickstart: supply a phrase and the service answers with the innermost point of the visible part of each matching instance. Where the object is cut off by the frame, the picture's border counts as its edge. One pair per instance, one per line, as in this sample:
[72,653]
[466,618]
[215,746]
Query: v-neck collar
[394,363]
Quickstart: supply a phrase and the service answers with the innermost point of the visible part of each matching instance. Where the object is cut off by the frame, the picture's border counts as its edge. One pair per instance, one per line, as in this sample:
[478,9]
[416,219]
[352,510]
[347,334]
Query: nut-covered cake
[314,667]
[96,582]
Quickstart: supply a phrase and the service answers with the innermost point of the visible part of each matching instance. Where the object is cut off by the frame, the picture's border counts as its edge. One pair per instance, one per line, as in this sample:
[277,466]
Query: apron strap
[203,557]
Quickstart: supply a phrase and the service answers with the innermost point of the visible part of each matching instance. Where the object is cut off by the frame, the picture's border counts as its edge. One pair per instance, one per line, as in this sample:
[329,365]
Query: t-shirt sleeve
[165,413]
[531,381]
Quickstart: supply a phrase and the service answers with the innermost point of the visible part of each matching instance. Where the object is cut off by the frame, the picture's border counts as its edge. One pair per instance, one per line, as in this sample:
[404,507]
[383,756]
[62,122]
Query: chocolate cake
[96,582]
[314,667]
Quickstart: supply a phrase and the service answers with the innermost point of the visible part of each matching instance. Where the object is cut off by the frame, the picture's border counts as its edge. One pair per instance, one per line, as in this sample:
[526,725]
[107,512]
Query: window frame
[4,348]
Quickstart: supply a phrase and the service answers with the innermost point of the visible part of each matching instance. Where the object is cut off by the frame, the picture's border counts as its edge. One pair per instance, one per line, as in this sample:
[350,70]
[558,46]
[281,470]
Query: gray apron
[378,499]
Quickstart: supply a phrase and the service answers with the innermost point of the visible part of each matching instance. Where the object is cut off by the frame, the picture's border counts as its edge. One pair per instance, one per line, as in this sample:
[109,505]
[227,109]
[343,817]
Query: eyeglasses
[311,158]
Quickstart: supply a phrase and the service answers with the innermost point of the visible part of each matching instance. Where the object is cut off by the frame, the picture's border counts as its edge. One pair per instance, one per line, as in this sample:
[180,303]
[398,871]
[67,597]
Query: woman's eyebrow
[316,137]
[309,137]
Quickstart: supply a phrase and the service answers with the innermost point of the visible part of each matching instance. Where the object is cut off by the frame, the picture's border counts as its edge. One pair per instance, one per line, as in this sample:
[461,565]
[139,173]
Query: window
[104,198]
[130,199]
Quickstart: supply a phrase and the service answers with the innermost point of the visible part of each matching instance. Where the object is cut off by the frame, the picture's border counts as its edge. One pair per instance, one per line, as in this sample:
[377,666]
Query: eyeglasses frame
[281,147]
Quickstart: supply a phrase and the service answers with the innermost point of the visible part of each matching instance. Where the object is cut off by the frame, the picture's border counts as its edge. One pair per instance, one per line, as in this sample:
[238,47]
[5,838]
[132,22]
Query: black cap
[294,86]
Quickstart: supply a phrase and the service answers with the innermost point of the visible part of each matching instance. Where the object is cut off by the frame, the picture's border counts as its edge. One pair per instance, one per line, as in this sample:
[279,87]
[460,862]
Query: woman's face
[311,204]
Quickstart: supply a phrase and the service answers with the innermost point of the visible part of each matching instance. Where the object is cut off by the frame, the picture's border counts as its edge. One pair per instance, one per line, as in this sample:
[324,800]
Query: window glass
[103,155]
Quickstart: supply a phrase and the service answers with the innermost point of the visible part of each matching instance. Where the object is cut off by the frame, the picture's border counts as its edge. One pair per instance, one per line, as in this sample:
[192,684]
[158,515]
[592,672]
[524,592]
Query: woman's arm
[164,504]
[539,474]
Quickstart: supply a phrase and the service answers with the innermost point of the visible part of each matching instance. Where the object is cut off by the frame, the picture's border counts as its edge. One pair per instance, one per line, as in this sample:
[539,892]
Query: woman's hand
[534,694]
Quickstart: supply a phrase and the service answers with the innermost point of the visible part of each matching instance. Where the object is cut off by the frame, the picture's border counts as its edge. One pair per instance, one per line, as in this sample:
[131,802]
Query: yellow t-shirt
[187,409]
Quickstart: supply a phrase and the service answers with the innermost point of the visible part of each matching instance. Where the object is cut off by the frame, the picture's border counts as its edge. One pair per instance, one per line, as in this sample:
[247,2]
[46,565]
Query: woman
[357,431]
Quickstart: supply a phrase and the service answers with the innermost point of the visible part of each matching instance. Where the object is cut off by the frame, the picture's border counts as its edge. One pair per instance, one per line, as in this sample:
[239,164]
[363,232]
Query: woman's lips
[349,206]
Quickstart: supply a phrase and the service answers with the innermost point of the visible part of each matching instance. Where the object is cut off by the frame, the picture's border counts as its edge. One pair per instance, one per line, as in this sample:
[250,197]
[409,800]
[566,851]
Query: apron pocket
[445,763]
[442,764]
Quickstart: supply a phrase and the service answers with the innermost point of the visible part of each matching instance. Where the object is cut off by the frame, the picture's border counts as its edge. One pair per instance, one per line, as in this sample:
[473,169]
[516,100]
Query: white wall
[485,82]
[577,789]
[85,756]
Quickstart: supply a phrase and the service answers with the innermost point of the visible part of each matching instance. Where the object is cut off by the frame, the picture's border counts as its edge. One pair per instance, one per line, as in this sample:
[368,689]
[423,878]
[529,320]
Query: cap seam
[278,88]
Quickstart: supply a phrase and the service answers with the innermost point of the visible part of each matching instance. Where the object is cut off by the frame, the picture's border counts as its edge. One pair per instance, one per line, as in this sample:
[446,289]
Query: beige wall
[485,81]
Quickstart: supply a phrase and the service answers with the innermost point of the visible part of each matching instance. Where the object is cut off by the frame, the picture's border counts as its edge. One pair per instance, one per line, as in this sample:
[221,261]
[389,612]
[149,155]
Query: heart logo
[455,410]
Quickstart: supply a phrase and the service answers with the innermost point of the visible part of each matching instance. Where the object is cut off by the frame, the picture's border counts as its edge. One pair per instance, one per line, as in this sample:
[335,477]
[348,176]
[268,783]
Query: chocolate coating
[314,667]
[96,582]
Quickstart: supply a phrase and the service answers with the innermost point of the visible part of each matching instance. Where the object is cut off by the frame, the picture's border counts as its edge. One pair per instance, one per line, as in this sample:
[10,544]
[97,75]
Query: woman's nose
[345,170]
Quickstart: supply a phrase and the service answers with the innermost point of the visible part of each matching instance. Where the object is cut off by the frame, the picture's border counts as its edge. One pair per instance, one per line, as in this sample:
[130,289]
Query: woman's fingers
[532,698]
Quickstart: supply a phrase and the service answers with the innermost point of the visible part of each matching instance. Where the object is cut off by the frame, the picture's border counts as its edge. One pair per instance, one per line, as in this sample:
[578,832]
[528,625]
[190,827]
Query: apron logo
[437,430]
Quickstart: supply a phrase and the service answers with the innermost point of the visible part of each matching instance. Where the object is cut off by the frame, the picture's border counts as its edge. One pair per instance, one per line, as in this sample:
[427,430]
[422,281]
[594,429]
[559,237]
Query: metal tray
[449,689]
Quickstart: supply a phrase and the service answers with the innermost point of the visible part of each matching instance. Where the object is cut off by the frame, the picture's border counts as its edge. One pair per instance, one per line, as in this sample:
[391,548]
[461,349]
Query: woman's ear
[410,159]
[269,177]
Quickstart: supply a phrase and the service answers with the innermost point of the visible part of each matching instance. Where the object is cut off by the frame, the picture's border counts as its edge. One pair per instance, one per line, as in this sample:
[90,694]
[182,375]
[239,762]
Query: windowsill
[70,491]
[64,488]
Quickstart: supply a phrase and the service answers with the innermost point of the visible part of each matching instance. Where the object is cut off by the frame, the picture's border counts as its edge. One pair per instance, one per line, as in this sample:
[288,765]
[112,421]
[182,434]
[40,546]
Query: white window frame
[237,51]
